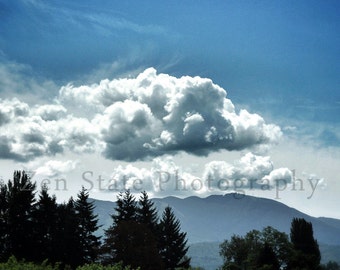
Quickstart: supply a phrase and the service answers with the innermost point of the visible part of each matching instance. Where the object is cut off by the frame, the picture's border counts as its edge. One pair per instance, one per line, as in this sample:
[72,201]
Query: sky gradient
[185,98]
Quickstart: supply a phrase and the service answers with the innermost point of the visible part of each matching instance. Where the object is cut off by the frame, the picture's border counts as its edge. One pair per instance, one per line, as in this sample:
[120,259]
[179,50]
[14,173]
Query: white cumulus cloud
[280,176]
[165,177]
[132,119]
[250,169]
[53,168]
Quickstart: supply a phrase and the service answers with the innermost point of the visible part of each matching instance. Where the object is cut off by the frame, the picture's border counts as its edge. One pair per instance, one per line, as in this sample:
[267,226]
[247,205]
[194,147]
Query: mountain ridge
[232,215]
[218,217]
[211,220]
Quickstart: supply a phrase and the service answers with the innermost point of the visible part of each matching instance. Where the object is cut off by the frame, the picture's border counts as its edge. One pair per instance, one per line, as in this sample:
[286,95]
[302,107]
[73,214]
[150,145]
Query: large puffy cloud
[183,114]
[132,118]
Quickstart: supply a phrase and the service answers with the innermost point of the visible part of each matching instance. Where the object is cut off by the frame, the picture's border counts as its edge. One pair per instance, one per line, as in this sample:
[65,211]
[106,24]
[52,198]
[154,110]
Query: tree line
[271,249]
[36,228]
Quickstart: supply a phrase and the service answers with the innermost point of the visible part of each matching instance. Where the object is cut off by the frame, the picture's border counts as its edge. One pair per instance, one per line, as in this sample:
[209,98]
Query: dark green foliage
[19,223]
[135,238]
[267,258]
[87,226]
[14,264]
[44,231]
[126,212]
[3,222]
[279,242]
[270,249]
[173,244]
[234,251]
[130,239]
[306,248]
[135,245]
[248,251]
[126,209]
[34,231]
[38,230]
[101,267]
[147,212]
[67,246]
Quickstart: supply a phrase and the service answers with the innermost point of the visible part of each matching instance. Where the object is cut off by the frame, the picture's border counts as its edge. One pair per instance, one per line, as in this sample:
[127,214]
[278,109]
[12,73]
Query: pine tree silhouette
[4,244]
[147,212]
[19,217]
[132,238]
[126,209]
[173,243]
[67,245]
[87,226]
[117,239]
[44,226]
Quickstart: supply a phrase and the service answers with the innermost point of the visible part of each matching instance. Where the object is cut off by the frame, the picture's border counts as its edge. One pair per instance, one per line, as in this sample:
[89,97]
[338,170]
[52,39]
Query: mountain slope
[209,221]
[218,217]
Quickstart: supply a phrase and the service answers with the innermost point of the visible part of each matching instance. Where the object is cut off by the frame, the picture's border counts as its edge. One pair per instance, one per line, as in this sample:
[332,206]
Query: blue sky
[276,59]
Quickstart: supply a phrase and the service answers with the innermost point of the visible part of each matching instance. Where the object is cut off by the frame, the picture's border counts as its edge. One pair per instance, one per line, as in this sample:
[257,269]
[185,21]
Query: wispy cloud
[19,79]
[104,21]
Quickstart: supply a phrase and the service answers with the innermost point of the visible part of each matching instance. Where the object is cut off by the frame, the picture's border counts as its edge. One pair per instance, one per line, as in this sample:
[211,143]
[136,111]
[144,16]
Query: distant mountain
[331,221]
[205,255]
[209,221]
[218,217]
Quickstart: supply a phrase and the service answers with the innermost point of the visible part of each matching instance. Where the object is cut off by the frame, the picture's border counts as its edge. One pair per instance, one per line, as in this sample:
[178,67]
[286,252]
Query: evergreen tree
[130,240]
[44,226]
[148,223]
[115,244]
[307,253]
[135,245]
[3,222]
[19,216]
[126,209]
[147,212]
[173,243]
[87,226]
[67,245]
